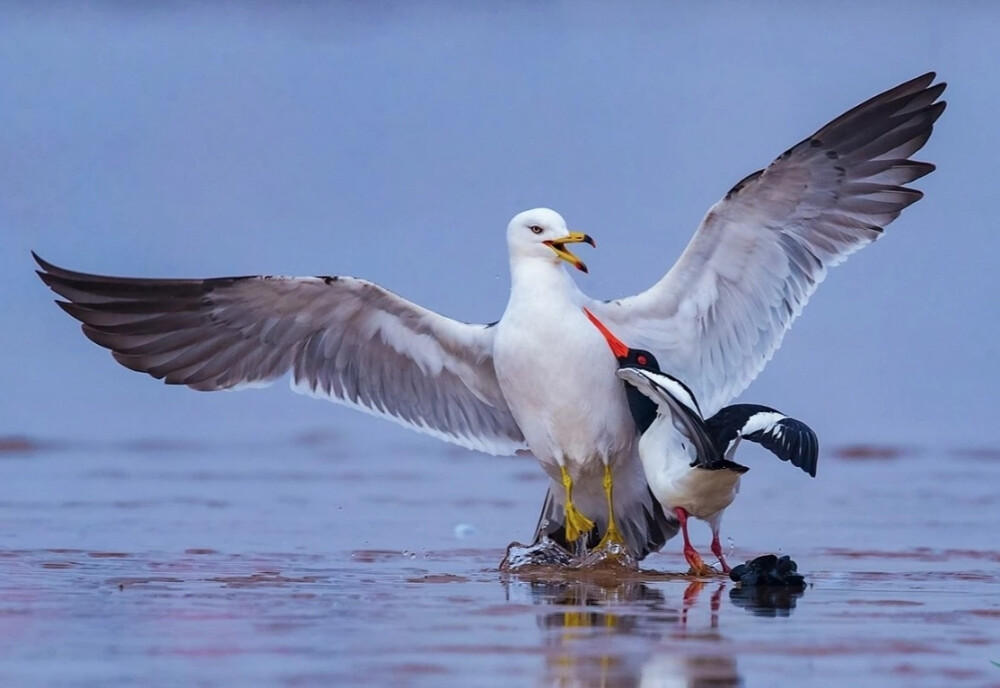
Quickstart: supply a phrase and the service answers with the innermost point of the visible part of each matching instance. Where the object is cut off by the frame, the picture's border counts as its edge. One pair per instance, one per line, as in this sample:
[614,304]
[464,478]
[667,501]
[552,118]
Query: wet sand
[315,562]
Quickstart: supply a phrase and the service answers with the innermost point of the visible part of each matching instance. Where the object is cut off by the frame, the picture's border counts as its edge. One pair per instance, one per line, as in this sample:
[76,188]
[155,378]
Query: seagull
[541,378]
[688,461]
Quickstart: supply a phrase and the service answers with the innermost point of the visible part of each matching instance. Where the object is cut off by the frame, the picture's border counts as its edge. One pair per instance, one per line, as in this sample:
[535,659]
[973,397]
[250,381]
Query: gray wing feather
[341,338]
[719,314]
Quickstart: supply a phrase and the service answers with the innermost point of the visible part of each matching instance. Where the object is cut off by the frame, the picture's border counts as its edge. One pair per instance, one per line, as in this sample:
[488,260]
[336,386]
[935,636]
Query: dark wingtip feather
[923,168]
[911,197]
[46,277]
[935,111]
[807,457]
[75,311]
[54,270]
[813,454]
[42,263]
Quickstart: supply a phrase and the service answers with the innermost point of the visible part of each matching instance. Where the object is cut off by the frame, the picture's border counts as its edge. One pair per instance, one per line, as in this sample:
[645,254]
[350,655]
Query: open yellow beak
[559,246]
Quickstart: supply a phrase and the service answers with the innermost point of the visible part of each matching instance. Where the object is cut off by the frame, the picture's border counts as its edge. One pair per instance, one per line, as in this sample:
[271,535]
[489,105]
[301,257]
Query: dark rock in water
[768,570]
[769,585]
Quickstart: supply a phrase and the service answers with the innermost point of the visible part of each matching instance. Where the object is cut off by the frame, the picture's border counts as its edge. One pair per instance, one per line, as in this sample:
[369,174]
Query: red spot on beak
[618,347]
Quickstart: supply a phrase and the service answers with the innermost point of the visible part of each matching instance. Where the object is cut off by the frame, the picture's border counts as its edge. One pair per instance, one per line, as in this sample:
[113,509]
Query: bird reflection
[628,634]
[632,608]
[690,601]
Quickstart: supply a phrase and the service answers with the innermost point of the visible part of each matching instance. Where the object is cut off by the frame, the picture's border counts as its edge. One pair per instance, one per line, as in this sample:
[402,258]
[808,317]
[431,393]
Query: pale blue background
[394,141]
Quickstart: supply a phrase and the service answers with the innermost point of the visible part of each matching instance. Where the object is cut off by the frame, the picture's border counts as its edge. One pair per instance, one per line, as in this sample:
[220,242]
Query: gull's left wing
[719,314]
[341,338]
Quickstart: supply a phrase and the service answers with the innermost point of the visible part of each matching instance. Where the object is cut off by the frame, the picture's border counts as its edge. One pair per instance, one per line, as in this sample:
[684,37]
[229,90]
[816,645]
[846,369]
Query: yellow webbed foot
[576,523]
[612,536]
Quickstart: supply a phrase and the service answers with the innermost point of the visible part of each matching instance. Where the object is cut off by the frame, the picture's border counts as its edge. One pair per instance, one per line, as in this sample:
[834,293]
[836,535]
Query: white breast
[557,374]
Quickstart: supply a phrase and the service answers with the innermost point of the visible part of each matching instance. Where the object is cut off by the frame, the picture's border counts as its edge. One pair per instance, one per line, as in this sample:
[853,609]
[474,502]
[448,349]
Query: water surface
[313,562]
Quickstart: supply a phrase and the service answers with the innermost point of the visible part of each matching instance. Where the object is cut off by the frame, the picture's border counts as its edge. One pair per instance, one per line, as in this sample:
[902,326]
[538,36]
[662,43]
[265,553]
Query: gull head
[542,233]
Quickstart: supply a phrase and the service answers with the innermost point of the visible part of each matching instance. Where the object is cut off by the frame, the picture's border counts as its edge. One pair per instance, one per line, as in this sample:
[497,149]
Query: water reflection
[592,619]
[632,607]
[691,670]
[591,628]
[766,601]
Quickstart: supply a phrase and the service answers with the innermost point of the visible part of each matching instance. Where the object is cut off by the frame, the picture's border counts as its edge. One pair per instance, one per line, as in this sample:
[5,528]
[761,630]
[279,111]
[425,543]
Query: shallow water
[313,562]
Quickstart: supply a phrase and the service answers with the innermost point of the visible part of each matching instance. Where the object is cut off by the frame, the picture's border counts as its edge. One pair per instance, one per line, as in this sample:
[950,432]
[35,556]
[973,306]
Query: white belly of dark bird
[699,491]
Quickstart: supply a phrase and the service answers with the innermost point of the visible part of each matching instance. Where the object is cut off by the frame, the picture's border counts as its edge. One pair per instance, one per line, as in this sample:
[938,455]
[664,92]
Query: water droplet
[464,530]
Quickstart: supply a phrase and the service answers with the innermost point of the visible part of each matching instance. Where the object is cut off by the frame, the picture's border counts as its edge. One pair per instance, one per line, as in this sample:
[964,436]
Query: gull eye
[536,229]
[642,360]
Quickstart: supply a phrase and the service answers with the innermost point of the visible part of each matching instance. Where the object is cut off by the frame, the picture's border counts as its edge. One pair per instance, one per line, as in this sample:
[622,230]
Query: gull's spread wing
[341,338]
[720,313]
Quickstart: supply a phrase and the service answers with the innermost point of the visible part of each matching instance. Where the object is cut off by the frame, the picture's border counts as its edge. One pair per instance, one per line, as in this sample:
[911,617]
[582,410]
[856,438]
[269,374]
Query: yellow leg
[611,536]
[576,523]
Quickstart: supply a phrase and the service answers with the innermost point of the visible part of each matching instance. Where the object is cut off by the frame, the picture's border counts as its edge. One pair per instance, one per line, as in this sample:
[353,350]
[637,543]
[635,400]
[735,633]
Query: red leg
[717,551]
[715,604]
[690,553]
[690,599]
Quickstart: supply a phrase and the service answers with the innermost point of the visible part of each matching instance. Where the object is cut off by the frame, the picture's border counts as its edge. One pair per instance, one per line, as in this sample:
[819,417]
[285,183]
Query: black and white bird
[541,378]
[688,460]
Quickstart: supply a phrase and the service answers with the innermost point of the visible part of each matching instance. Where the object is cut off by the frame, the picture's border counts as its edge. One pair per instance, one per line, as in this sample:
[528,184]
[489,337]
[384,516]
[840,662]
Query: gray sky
[395,142]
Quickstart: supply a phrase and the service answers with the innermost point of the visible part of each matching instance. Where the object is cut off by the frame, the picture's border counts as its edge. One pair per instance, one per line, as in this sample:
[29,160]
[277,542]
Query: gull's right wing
[717,317]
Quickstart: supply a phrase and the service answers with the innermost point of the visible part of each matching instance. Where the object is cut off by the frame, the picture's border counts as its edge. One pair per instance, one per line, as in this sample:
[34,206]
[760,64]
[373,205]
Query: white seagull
[542,378]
